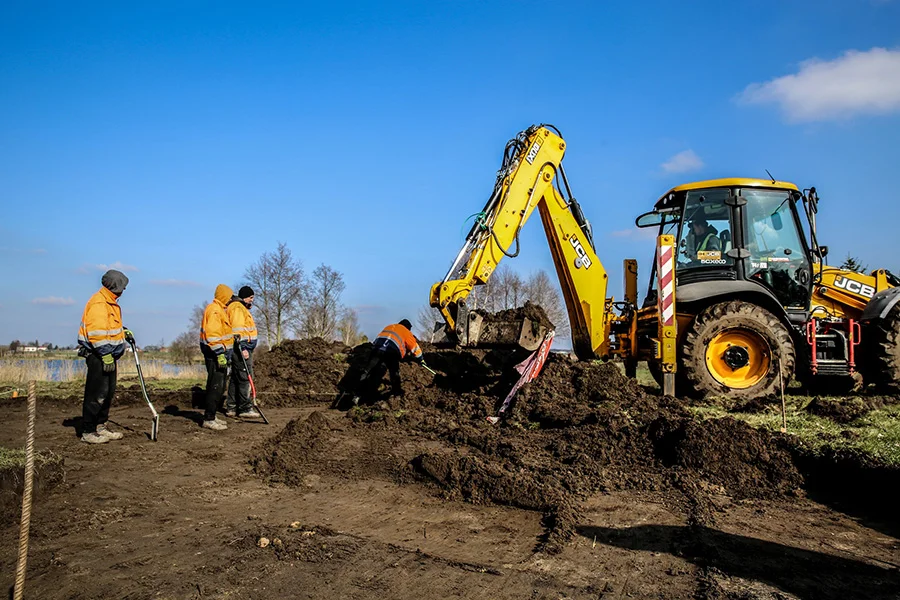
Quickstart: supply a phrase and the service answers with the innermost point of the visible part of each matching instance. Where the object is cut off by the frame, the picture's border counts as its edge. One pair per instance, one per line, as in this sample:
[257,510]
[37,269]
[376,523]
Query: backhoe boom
[532,164]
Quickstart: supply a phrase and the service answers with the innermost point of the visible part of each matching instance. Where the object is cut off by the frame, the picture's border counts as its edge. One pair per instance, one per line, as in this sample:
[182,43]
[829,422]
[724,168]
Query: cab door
[778,256]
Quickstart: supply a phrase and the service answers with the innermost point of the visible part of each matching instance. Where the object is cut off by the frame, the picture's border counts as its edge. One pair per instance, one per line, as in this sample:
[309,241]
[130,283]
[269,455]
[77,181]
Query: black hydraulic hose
[505,253]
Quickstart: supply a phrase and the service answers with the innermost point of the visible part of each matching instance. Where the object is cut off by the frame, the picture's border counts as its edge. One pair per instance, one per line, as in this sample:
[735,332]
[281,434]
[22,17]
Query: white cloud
[683,162]
[175,283]
[53,301]
[118,266]
[854,84]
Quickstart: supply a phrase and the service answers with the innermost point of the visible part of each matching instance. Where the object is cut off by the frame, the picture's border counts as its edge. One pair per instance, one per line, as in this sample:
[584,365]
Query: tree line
[507,289]
[287,302]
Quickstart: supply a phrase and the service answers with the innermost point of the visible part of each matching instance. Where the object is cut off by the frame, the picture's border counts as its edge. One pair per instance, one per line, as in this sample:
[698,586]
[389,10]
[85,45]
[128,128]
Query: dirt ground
[593,489]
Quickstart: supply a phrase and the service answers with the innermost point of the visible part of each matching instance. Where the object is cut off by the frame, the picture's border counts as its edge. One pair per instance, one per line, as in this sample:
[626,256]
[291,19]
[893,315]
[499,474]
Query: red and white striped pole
[665,273]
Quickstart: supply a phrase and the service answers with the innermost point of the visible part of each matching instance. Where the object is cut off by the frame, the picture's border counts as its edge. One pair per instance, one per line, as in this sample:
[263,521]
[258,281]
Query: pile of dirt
[533,312]
[49,472]
[845,410]
[300,370]
[579,429]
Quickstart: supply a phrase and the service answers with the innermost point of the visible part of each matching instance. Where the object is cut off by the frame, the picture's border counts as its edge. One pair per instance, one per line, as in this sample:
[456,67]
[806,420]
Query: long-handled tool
[154,430]
[427,368]
[237,349]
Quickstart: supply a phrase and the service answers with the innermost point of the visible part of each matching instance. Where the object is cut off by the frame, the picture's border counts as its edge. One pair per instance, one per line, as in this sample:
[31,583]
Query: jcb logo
[532,154]
[582,260]
[851,285]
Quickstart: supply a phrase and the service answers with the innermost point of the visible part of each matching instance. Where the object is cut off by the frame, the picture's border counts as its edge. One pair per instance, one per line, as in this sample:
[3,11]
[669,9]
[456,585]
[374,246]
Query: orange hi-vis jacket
[403,338]
[242,324]
[101,325]
[215,329]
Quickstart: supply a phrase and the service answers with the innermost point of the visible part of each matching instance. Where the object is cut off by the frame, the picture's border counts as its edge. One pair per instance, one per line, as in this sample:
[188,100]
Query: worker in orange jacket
[101,341]
[216,339]
[239,403]
[393,344]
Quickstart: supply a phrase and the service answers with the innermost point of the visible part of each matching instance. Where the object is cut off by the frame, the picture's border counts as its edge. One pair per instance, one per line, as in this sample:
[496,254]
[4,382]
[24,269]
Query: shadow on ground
[804,573]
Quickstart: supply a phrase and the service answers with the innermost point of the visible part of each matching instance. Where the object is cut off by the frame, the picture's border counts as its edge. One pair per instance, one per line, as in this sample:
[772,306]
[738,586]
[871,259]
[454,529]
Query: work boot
[94,438]
[102,429]
[215,425]
[250,414]
[230,412]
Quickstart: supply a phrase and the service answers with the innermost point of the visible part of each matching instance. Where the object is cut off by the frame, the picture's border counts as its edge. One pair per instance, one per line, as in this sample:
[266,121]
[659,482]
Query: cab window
[706,230]
[778,257]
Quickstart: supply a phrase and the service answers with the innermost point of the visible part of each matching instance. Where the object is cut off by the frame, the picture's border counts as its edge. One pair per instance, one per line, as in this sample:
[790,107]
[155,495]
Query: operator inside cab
[702,237]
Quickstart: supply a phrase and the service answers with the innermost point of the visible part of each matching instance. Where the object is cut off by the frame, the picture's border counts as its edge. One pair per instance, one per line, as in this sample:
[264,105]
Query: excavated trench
[578,430]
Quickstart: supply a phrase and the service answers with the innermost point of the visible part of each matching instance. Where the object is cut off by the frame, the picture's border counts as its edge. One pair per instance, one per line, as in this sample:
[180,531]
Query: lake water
[61,369]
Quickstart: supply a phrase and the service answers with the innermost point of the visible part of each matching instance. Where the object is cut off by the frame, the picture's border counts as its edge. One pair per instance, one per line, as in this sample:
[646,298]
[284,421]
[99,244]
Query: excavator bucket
[522,332]
[496,333]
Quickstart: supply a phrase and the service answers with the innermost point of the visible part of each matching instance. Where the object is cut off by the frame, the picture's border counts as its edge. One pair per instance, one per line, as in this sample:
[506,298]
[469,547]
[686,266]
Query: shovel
[240,353]
[154,430]
[427,368]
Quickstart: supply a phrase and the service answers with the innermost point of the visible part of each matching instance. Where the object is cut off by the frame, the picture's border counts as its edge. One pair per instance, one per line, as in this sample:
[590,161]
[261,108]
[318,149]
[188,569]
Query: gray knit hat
[114,281]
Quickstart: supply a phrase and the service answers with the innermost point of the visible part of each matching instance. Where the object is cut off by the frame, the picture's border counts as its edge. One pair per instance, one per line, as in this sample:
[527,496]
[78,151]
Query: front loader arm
[532,162]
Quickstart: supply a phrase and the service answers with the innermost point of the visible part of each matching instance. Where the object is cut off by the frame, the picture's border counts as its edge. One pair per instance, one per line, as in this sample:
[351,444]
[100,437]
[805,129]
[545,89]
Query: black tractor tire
[883,352]
[735,318]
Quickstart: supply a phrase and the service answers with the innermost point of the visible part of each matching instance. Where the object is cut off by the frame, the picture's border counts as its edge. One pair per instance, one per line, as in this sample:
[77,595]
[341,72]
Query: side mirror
[777,224]
[649,219]
[823,250]
[654,218]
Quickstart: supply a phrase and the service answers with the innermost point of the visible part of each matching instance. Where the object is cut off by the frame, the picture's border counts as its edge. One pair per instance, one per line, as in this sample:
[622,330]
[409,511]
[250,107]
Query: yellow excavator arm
[530,178]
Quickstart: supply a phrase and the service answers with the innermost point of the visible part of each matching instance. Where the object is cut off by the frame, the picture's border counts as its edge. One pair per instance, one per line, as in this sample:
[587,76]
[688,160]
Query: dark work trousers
[239,383]
[215,387]
[99,389]
[383,357]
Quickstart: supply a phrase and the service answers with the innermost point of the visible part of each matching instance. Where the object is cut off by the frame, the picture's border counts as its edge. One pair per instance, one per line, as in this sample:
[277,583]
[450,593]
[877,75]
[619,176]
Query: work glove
[129,336]
[109,363]
[223,361]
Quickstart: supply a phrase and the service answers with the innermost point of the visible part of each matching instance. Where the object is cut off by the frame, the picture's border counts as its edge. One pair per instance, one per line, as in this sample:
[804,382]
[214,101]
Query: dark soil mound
[298,370]
[579,429]
[840,411]
[530,311]
[48,473]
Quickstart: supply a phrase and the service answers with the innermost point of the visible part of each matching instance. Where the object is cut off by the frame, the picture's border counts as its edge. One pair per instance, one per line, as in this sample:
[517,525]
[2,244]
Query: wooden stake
[781,385]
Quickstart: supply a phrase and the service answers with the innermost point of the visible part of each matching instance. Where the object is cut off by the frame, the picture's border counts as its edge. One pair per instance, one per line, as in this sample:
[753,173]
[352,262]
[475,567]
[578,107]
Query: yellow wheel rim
[738,358]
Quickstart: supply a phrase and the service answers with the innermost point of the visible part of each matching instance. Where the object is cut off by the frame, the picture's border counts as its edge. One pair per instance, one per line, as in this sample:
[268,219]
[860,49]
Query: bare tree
[540,289]
[425,321]
[322,305]
[278,283]
[197,319]
[348,327]
[505,289]
[184,348]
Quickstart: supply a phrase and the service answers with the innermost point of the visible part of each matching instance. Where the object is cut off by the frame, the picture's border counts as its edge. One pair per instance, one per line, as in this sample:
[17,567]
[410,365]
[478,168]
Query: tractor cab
[740,231]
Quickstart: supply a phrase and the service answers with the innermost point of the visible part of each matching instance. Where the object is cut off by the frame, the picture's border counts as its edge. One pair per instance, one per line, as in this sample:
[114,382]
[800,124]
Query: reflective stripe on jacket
[242,324]
[401,337]
[215,329]
[101,325]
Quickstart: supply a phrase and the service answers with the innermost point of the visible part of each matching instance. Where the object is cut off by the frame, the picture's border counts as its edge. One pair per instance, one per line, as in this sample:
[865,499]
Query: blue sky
[182,140]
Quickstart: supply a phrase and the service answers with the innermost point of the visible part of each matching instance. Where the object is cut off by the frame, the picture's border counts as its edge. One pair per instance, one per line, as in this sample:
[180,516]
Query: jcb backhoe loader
[752,294]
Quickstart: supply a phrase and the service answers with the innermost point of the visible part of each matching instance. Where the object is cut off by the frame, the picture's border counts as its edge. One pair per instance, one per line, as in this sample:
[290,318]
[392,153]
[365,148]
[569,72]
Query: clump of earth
[579,429]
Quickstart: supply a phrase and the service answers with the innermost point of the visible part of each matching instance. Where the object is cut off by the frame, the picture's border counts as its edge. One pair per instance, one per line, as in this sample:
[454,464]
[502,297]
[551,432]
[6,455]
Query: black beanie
[245,292]
[406,324]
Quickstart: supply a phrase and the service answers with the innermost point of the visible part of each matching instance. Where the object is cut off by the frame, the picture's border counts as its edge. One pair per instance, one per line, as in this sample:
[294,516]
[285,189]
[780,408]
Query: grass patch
[61,390]
[12,458]
[876,433]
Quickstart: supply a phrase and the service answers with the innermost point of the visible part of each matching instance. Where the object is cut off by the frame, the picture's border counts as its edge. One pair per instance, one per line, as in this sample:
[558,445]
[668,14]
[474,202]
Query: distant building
[34,348]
